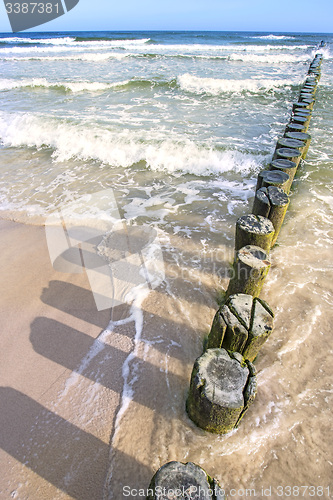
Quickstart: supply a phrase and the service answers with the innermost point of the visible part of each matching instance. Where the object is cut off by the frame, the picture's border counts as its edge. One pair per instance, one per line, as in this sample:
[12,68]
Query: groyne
[223,383]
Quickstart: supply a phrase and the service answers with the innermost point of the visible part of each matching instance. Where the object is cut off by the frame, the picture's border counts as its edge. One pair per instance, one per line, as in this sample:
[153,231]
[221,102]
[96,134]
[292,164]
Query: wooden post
[271,202]
[287,166]
[287,142]
[301,136]
[254,230]
[250,269]
[303,120]
[223,385]
[304,112]
[243,323]
[295,127]
[303,105]
[308,94]
[289,154]
[176,480]
[272,178]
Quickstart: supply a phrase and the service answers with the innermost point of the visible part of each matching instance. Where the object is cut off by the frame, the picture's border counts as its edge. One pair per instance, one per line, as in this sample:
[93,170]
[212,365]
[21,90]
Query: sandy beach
[49,322]
[171,130]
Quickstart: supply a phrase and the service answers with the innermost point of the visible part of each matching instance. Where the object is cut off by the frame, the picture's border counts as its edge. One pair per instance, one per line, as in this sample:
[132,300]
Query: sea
[178,125]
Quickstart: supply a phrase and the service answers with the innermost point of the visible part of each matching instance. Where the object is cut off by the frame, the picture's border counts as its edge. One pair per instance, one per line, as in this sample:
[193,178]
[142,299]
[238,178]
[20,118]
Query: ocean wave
[89,57]
[186,82]
[141,46]
[270,58]
[215,86]
[79,86]
[66,86]
[275,37]
[76,46]
[52,41]
[122,148]
[76,41]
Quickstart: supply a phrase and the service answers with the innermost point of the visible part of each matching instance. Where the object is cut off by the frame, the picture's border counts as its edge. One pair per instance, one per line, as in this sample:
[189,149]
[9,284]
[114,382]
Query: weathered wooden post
[301,136]
[176,480]
[250,269]
[254,230]
[304,112]
[287,142]
[295,127]
[272,203]
[223,385]
[286,166]
[303,120]
[242,324]
[289,154]
[269,178]
[301,105]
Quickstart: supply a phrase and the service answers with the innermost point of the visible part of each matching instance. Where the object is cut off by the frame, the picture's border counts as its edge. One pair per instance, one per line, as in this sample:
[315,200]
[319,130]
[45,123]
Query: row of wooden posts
[223,382]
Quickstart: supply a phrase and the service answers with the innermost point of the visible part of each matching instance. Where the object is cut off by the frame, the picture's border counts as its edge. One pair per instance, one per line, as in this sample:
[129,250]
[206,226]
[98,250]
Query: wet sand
[49,322]
[66,432]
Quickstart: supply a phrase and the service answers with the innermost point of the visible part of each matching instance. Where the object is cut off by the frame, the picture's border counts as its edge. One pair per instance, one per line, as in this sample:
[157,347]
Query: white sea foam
[270,58]
[70,45]
[79,86]
[275,37]
[216,86]
[84,56]
[140,46]
[187,82]
[51,41]
[172,154]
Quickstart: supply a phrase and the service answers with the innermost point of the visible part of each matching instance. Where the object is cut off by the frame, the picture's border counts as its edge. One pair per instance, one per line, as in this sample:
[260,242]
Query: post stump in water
[272,203]
[295,127]
[176,480]
[289,154]
[286,166]
[250,269]
[254,230]
[243,324]
[301,136]
[287,142]
[223,385]
[273,178]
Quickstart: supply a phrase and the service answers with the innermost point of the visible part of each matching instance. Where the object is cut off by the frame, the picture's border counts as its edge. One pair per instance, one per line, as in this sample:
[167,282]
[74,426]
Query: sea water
[178,125]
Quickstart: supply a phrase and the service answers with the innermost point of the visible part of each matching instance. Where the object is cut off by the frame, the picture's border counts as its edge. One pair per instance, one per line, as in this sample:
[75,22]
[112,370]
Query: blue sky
[224,15]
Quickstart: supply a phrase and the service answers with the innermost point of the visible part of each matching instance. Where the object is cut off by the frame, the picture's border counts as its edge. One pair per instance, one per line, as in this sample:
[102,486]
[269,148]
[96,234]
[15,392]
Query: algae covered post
[223,385]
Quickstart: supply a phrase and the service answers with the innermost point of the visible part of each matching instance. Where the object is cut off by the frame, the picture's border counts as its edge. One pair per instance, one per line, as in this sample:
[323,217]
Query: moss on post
[272,178]
[250,268]
[219,390]
[286,166]
[246,326]
[254,230]
[272,203]
[289,154]
[301,136]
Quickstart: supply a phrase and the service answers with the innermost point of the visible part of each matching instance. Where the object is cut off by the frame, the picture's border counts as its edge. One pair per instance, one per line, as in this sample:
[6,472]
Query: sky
[313,16]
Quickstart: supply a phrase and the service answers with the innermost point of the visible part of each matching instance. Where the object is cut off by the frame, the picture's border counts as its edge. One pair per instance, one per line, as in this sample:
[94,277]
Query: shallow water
[179,125]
